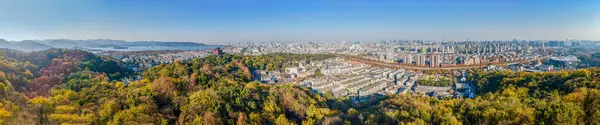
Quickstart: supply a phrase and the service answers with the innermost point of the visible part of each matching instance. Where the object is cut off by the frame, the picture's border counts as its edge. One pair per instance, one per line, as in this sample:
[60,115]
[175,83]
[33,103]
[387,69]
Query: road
[420,68]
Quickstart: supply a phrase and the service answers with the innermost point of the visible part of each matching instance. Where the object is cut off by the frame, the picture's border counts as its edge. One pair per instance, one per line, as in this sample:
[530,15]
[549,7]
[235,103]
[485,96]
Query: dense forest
[565,97]
[219,90]
[25,76]
[38,72]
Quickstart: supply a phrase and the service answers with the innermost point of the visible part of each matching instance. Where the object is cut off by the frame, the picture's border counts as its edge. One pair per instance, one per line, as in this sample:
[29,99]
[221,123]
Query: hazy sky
[299,20]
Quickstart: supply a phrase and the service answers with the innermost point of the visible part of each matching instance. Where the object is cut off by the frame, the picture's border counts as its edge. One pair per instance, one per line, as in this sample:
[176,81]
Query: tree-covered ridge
[509,106]
[37,72]
[225,80]
[145,102]
[79,91]
[198,92]
[26,75]
[565,97]
[16,73]
[53,57]
[269,62]
[238,67]
[538,84]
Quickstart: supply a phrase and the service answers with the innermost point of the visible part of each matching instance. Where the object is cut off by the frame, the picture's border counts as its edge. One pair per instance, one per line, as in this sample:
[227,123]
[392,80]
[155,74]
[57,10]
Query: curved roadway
[396,65]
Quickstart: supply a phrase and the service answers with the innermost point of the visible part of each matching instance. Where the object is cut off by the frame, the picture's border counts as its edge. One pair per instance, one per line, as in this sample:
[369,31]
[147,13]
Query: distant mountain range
[38,45]
[26,45]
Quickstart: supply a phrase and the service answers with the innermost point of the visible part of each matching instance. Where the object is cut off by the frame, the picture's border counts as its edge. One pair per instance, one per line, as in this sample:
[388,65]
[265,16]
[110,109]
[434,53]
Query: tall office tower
[421,60]
[435,60]
[468,48]
[543,47]
[432,61]
[482,50]
[445,50]
[438,60]
[498,48]
[485,49]
[418,61]
[408,59]
[477,60]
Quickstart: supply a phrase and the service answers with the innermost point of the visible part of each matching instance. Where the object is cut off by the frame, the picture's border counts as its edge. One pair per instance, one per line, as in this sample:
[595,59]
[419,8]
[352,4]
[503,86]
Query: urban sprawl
[367,70]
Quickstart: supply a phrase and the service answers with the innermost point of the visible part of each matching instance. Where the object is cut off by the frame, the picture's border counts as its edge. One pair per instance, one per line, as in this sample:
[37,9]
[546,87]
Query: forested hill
[35,73]
[217,90]
[564,97]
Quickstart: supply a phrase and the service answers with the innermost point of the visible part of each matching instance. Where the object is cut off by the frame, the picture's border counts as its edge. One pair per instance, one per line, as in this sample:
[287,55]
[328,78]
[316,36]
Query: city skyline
[241,21]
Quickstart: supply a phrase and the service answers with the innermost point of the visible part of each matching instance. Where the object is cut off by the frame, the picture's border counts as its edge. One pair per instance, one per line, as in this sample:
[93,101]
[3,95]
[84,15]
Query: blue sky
[299,20]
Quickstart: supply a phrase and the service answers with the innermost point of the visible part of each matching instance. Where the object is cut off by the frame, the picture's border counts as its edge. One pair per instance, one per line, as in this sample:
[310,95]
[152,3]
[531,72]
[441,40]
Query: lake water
[142,48]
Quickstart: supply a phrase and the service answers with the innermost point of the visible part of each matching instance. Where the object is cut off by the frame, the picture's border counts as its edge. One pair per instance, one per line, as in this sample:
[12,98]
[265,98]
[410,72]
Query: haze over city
[273,20]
